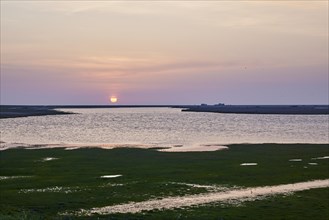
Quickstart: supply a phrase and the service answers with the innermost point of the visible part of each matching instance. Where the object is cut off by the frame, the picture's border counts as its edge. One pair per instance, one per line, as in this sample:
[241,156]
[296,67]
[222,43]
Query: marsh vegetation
[61,188]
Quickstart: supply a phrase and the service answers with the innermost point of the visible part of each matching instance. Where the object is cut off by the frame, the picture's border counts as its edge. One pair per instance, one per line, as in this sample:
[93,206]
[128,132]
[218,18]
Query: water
[163,127]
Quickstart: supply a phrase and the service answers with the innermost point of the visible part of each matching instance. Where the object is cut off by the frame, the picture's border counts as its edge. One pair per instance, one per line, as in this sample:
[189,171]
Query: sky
[164,52]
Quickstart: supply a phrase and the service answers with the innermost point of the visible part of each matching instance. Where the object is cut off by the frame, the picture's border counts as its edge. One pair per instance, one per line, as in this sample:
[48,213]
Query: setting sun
[113,99]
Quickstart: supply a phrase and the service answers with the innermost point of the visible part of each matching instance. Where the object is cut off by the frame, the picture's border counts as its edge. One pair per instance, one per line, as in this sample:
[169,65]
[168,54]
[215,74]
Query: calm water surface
[164,127]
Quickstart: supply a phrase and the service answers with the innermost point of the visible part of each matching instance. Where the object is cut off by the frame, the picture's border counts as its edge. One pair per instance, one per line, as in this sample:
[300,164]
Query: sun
[113,99]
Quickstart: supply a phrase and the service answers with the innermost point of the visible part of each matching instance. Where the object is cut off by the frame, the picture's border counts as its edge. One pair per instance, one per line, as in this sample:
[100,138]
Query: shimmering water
[164,127]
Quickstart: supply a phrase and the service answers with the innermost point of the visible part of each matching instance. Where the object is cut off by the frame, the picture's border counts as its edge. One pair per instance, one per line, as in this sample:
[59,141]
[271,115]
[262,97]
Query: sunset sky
[164,52]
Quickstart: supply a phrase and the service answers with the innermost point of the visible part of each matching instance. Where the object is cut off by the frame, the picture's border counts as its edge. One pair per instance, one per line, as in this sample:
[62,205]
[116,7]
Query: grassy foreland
[34,188]
[263,109]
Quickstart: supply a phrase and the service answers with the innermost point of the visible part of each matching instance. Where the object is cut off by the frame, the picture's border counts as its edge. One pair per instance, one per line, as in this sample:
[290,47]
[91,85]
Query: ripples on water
[164,127]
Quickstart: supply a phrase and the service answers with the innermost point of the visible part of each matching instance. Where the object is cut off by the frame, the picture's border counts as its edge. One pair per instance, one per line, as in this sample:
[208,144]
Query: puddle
[49,159]
[195,148]
[249,164]
[313,164]
[13,177]
[111,185]
[295,160]
[110,176]
[195,185]
[321,158]
[56,189]
[210,187]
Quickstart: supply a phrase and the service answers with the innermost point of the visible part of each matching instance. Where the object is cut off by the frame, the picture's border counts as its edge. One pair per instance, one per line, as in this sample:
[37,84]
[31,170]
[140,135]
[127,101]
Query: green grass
[151,174]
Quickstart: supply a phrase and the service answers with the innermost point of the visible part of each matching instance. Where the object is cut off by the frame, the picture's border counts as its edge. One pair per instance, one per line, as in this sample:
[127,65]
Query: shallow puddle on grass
[230,196]
[195,185]
[110,176]
[216,188]
[49,159]
[249,164]
[13,177]
[321,158]
[313,164]
[55,189]
[194,148]
[111,185]
[295,160]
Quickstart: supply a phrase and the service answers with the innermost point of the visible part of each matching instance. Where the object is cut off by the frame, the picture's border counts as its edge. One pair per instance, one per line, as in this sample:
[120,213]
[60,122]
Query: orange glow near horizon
[113,99]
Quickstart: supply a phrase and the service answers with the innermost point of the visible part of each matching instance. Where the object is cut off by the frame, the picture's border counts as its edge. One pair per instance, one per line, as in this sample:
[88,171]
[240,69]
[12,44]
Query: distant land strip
[25,111]
[262,109]
[13,111]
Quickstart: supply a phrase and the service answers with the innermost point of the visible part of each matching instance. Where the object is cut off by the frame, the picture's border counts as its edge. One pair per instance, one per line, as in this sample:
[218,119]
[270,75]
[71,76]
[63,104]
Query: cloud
[116,67]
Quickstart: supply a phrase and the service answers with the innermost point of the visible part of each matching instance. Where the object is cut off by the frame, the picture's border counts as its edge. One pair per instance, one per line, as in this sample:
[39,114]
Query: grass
[151,174]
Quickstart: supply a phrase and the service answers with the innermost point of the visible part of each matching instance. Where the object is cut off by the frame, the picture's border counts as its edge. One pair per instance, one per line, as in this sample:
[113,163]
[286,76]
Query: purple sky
[80,52]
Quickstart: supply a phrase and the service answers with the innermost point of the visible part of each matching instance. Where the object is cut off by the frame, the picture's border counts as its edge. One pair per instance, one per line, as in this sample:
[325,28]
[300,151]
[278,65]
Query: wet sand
[235,195]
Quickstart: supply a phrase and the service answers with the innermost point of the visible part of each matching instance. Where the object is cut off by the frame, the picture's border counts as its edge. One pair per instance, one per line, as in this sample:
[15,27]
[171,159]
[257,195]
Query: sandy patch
[249,164]
[227,196]
[196,148]
[110,176]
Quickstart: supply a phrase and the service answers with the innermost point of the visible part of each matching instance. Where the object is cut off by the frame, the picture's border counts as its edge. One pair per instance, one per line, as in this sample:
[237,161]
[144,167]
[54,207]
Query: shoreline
[197,148]
[14,111]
